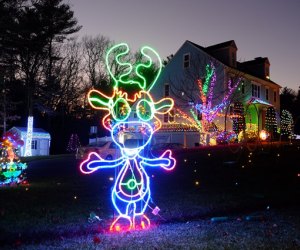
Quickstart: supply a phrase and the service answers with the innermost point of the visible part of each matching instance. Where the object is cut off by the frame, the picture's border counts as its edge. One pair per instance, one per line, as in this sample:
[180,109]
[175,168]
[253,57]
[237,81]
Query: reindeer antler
[118,52]
[145,50]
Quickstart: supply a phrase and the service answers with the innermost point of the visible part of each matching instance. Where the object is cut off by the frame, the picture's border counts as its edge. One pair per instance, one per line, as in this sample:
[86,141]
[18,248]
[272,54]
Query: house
[40,140]
[239,96]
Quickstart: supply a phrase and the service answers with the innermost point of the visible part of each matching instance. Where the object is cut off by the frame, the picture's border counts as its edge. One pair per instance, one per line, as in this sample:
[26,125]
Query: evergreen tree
[238,117]
[73,144]
[271,121]
[286,124]
[11,169]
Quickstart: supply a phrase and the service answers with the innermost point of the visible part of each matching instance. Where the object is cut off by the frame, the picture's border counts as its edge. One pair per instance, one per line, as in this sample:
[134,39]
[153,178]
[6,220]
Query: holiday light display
[225,137]
[286,123]
[263,135]
[271,121]
[73,143]
[238,118]
[206,90]
[29,136]
[131,191]
[250,133]
[11,169]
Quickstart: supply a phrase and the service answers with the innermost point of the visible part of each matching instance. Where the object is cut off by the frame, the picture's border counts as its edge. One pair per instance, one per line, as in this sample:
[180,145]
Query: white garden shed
[40,140]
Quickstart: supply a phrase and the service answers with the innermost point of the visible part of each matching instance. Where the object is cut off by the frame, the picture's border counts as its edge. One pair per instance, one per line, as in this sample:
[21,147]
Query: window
[34,144]
[267,94]
[199,116]
[275,96]
[171,117]
[166,117]
[186,60]
[134,115]
[167,89]
[255,90]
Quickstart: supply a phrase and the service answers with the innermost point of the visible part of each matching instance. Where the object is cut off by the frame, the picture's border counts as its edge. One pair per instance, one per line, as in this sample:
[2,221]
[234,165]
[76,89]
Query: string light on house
[238,117]
[286,123]
[271,121]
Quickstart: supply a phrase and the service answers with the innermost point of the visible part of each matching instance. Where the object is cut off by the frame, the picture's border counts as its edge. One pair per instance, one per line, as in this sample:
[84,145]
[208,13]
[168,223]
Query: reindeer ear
[164,105]
[98,100]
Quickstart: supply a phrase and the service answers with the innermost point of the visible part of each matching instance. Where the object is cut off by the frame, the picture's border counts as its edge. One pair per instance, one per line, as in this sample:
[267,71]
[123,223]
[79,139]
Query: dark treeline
[46,71]
[40,70]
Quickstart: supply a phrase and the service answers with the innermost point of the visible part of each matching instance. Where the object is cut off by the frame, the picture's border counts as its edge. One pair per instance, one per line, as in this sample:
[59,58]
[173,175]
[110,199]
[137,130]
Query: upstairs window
[167,90]
[171,116]
[166,117]
[186,60]
[34,144]
[255,90]
[199,115]
[275,96]
[267,94]
[243,88]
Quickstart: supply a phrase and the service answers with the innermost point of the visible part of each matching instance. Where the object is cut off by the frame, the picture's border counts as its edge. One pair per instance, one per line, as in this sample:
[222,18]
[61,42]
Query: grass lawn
[216,198]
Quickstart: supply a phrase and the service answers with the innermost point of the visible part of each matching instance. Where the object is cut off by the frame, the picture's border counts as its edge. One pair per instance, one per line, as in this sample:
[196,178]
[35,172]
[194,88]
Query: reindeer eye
[145,110]
[121,109]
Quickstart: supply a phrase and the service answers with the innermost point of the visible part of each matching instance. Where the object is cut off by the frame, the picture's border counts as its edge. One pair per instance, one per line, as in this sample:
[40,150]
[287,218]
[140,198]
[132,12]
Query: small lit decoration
[73,143]
[11,169]
[263,135]
[271,121]
[250,133]
[131,191]
[226,137]
[29,136]
[286,123]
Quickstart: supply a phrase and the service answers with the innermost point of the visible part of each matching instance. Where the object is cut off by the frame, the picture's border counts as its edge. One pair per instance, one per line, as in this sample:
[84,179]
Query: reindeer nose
[132,134]
[134,143]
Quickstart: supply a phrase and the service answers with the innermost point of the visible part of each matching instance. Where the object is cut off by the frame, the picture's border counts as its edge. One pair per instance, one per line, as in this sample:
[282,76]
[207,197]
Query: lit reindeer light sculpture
[131,191]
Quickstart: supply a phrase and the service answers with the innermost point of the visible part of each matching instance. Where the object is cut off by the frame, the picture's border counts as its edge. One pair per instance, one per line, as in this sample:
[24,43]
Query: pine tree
[286,123]
[271,121]
[11,169]
[73,144]
[239,118]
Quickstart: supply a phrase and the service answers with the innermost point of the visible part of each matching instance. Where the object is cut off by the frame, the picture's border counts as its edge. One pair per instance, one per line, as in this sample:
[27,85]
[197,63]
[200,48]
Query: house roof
[222,45]
[216,46]
[256,61]
[255,100]
[240,67]
[36,133]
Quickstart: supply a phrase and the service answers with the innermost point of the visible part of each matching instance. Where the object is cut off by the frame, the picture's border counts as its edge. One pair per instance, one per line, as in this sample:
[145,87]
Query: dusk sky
[266,28]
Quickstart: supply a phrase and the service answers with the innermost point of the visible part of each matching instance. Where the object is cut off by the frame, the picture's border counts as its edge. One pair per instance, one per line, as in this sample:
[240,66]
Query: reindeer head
[130,136]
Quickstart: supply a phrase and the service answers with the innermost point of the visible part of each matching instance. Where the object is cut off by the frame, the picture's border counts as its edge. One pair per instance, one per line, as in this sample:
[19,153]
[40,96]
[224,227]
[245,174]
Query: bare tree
[94,50]
[206,88]
[63,96]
